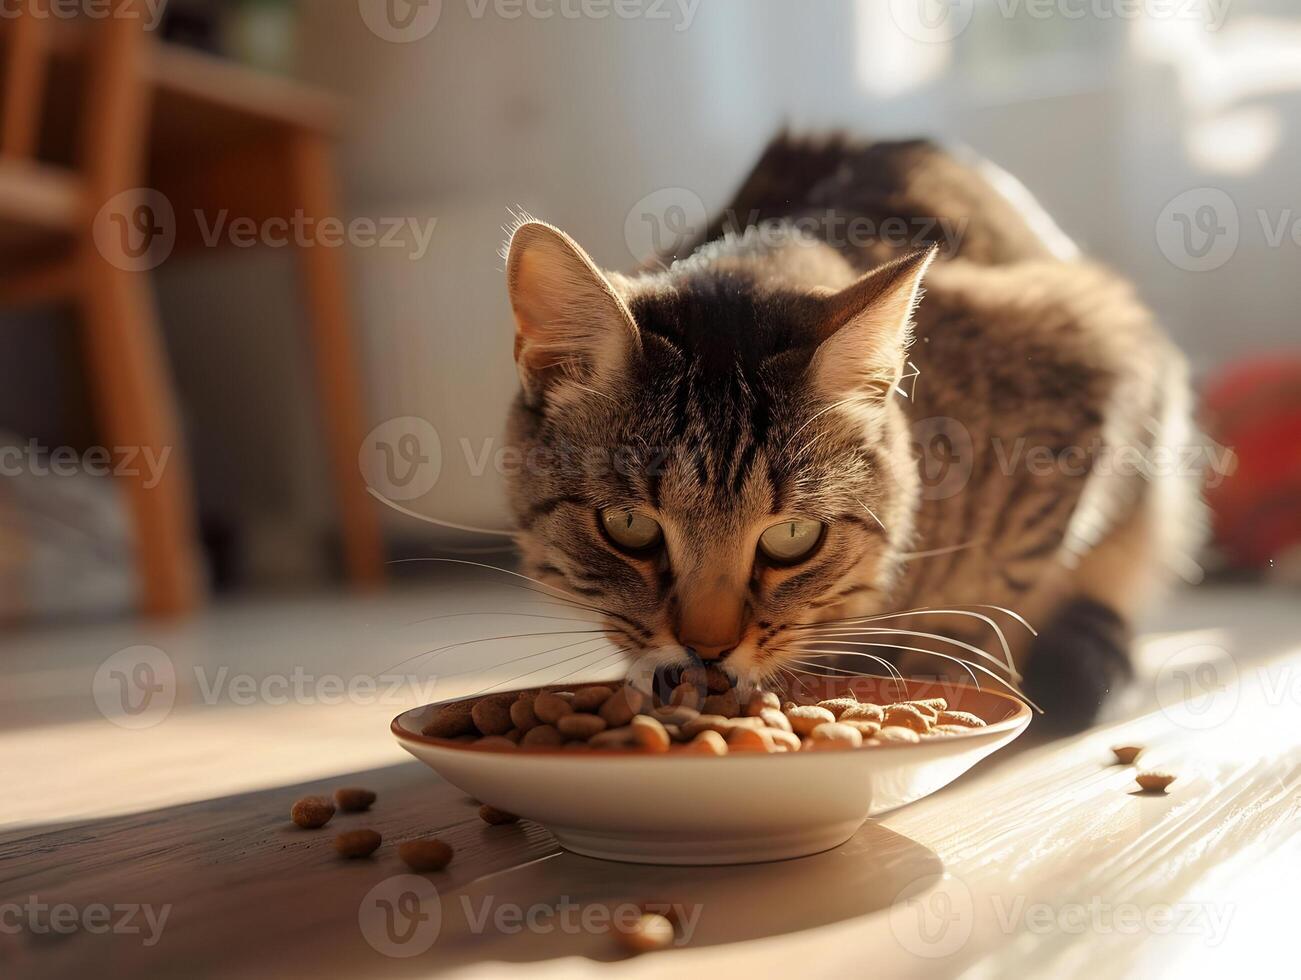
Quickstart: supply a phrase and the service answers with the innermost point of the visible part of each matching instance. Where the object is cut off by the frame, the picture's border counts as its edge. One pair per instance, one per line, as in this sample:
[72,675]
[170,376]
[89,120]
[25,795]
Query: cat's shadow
[718,905]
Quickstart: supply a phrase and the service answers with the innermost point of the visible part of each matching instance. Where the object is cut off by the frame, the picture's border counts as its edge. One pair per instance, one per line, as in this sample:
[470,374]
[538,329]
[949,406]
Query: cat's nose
[711,619]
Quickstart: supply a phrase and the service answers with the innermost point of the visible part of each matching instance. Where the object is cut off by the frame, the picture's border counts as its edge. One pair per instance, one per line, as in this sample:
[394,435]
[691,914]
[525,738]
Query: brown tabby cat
[778,431]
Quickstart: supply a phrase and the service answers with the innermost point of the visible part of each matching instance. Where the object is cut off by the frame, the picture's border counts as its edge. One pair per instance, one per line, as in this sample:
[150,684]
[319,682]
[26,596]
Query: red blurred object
[1254,407]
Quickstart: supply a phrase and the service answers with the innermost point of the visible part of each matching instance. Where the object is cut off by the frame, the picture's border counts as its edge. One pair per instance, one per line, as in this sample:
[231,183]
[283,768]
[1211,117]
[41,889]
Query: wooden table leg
[136,416]
[126,360]
[324,275]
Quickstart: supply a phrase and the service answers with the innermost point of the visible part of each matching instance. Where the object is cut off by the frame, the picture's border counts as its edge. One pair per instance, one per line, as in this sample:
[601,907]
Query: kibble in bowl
[727,777]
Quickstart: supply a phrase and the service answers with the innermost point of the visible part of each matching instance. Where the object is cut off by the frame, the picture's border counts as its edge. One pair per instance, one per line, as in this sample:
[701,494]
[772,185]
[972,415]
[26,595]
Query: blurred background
[251,280]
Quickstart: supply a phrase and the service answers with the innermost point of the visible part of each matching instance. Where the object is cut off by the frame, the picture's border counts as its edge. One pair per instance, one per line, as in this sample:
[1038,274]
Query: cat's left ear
[867,327]
[568,318]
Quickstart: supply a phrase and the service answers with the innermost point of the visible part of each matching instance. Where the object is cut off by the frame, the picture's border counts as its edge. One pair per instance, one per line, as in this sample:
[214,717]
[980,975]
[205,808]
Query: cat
[802,423]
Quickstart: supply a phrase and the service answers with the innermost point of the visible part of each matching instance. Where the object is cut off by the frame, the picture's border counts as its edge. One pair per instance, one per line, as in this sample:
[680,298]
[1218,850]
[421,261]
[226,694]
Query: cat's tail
[876,200]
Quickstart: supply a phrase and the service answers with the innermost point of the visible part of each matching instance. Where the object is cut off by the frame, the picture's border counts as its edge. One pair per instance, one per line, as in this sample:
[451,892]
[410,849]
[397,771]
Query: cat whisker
[818,670]
[537,670]
[590,606]
[594,666]
[489,639]
[966,664]
[870,513]
[889,631]
[936,552]
[892,646]
[818,415]
[890,668]
[493,568]
[437,522]
[529,656]
[998,632]
[512,615]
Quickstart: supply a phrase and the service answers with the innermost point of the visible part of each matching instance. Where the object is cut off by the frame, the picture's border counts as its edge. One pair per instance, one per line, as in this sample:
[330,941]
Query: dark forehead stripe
[721,352]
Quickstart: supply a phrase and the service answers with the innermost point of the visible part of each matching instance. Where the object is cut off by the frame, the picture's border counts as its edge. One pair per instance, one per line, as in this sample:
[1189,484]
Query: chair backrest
[26,66]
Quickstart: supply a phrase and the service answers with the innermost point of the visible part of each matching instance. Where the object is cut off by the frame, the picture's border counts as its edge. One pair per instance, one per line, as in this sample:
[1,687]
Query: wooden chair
[193,128]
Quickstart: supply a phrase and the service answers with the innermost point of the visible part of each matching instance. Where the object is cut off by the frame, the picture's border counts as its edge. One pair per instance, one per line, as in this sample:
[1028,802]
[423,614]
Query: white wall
[578,120]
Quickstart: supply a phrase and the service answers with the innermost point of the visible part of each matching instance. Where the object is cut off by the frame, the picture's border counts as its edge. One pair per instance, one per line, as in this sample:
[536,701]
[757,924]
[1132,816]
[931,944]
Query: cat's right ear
[569,321]
[866,329]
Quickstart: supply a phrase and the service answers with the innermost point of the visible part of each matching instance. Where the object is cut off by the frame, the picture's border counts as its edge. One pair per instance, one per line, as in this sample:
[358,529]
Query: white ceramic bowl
[693,809]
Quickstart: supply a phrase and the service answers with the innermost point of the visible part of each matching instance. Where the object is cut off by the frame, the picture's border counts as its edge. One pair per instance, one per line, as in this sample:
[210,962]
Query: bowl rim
[1016,721]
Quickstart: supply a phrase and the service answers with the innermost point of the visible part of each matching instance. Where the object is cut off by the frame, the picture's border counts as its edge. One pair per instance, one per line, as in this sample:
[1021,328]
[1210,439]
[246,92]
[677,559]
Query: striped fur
[778,372]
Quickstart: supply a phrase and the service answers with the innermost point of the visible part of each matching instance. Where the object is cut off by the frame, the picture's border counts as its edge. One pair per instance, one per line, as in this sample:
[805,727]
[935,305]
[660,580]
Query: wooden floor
[1044,861]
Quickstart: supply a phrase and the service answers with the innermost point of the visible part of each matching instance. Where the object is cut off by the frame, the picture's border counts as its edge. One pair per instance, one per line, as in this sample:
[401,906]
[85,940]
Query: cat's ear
[569,321]
[866,328]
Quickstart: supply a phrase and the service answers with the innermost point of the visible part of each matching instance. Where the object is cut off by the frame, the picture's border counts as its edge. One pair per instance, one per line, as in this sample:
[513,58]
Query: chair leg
[137,418]
[324,279]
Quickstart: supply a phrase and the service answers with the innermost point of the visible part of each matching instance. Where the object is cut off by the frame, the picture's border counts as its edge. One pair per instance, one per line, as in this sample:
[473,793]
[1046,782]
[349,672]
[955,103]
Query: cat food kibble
[1154,782]
[907,716]
[722,704]
[542,737]
[620,707]
[590,698]
[357,843]
[522,715]
[834,735]
[425,855]
[696,716]
[352,799]
[550,708]
[707,743]
[451,720]
[577,725]
[863,712]
[650,734]
[490,814]
[838,706]
[804,719]
[312,812]
[491,716]
[649,933]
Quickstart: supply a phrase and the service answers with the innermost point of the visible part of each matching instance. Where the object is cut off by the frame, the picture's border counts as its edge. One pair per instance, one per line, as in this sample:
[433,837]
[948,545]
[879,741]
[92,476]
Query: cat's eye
[790,541]
[631,529]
